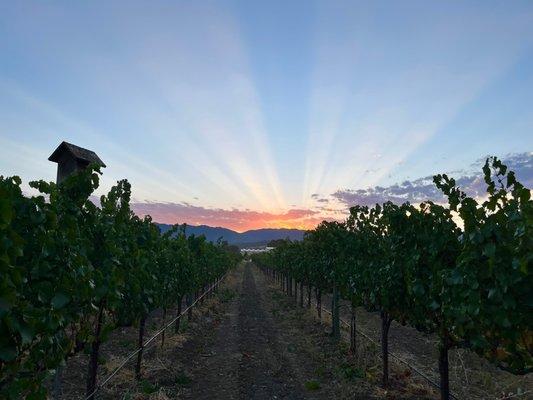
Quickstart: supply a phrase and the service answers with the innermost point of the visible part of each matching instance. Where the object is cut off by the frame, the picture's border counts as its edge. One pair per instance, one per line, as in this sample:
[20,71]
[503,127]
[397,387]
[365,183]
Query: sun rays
[380,95]
[194,103]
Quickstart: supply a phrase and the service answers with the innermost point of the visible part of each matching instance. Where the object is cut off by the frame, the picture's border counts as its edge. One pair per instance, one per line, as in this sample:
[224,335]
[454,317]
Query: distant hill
[256,237]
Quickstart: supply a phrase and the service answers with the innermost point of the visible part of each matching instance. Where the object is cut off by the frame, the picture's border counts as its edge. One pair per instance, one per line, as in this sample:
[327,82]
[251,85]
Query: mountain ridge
[255,237]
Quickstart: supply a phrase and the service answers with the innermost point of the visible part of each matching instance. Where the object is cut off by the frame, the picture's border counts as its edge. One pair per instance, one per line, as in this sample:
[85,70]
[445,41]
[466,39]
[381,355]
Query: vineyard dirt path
[249,341]
[248,358]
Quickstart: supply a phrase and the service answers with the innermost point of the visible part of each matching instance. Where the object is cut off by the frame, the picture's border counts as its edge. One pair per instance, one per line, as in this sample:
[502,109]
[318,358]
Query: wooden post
[140,342]
[177,326]
[353,332]
[189,303]
[444,370]
[319,303]
[335,320]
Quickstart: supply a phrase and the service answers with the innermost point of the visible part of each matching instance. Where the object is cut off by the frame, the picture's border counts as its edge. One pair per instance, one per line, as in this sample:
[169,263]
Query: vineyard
[73,272]
[461,272]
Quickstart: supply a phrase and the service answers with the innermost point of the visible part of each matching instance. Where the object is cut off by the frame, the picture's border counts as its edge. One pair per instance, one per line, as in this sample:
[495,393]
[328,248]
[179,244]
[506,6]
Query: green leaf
[27,334]
[8,353]
[5,306]
[6,211]
[489,249]
[60,300]
[523,266]
[525,195]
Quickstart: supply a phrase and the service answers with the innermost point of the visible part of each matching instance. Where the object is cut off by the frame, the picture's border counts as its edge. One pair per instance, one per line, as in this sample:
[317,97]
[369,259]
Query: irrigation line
[427,378]
[159,332]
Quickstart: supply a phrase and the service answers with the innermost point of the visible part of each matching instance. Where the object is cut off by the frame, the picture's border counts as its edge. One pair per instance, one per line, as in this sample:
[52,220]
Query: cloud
[202,135]
[236,219]
[406,92]
[413,191]
[424,189]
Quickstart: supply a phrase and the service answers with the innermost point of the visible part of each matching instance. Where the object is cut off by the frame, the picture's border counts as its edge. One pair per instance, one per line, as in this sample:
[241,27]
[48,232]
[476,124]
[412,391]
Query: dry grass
[347,375]
[159,367]
[122,377]
[471,377]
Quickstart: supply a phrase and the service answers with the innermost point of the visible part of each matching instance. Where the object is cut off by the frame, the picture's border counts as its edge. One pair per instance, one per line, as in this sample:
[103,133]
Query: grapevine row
[72,272]
[462,272]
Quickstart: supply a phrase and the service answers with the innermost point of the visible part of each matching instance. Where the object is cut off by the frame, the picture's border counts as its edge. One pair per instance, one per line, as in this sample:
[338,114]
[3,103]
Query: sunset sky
[249,114]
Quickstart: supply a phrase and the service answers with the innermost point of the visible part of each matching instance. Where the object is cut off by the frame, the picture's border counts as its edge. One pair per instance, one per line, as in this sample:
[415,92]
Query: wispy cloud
[166,95]
[380,94]
[213,101]
[335,206]
[423,189]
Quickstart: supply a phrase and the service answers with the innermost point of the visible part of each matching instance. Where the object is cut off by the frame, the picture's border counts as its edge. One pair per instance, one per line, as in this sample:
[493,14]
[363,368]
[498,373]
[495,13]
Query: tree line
[73,271]
[461,271]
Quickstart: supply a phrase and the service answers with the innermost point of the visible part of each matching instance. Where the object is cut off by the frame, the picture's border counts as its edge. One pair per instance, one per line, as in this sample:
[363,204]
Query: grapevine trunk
[385,325]
[95,348]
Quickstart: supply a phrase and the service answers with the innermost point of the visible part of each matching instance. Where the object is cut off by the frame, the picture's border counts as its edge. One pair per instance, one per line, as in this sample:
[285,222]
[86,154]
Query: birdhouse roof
[77,152]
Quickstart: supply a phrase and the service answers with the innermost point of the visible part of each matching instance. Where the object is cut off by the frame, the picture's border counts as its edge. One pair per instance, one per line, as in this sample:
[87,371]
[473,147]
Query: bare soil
[266,347]
[251,341]
[471,377]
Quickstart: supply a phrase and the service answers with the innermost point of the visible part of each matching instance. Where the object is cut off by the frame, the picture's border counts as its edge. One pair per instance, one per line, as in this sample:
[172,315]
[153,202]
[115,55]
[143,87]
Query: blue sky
[253,111]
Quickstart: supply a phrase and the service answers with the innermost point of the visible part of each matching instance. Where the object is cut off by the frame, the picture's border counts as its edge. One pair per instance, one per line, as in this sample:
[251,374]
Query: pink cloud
[236,219]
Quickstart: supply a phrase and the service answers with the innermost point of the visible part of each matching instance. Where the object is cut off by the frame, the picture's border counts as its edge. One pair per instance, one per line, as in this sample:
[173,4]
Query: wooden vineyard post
[353,332]
[189,311]
[335,321]
[164,323]
[177,326]
[319,303]
[142,324]
[444,370]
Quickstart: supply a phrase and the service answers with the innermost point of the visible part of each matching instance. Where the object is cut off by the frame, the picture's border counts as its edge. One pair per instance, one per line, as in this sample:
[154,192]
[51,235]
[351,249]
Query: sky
[250,114]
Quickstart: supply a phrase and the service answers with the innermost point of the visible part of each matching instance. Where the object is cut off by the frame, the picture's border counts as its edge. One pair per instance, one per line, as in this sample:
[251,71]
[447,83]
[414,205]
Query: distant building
[71,158]
[256,250]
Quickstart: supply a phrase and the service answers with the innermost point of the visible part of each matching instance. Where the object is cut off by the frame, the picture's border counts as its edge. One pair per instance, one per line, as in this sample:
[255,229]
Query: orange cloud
[235,219]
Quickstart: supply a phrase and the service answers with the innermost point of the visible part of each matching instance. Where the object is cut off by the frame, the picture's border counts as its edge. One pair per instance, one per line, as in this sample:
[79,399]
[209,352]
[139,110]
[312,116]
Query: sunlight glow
[241,113]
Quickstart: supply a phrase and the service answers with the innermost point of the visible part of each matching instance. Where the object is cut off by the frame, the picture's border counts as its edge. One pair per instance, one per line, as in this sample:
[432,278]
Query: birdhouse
[71,158]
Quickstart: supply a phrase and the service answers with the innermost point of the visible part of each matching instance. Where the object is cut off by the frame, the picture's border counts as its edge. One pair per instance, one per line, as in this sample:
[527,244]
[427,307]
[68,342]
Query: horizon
[249,116]
[221,227]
